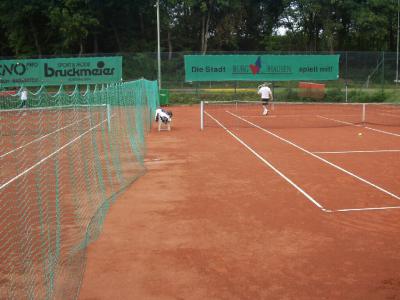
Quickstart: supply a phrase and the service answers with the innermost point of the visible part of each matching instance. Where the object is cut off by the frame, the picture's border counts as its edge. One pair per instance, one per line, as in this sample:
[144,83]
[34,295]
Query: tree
[341,25]
[45,27]
[74,21]
[372,23]
[25,26]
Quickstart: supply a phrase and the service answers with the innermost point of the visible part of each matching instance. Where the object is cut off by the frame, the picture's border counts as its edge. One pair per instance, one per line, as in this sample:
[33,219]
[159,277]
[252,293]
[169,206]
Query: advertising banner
[57,71]
[261,67]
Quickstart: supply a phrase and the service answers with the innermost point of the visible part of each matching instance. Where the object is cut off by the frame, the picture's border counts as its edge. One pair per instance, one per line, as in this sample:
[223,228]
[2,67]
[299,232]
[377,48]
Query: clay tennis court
[255,208]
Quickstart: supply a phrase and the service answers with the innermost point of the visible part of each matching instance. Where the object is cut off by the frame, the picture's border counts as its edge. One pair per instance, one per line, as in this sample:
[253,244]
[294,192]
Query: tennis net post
[202,115]
[363,113]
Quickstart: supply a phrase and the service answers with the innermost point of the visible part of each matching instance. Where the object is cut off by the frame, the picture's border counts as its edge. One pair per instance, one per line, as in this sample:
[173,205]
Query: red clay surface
[210,220]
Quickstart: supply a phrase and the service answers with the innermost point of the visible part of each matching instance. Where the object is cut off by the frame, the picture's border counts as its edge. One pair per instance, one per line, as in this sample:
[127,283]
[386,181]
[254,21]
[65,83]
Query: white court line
[270,165]
[270,115]
[367,209]
[261,117]
[356,151]
[41,138]
[50,155]
[319,157]
[358,125]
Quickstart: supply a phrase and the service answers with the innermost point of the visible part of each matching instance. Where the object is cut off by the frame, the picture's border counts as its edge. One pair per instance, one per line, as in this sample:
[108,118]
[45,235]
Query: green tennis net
[64,158]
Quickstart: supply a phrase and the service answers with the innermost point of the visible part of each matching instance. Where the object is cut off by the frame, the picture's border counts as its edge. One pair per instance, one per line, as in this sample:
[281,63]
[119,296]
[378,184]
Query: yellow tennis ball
[359,133]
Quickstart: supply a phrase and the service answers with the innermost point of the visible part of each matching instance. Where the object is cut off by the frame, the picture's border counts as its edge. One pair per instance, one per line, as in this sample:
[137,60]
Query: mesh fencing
[64,158]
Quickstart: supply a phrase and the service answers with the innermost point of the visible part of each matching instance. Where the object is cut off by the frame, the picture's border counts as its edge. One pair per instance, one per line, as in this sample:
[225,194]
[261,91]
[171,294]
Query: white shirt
[24,95]
[162,114]
[265,92]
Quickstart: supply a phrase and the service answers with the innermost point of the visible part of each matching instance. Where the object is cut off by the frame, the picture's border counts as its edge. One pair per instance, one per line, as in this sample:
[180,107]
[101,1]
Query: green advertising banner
[57,71]
[261,67]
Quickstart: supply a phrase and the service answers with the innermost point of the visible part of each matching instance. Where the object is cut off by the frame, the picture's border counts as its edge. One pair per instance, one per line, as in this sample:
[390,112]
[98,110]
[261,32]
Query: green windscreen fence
[64,158]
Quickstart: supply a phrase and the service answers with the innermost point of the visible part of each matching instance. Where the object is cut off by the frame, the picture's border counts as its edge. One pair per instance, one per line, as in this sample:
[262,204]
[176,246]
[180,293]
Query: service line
[397,197]
[305,194]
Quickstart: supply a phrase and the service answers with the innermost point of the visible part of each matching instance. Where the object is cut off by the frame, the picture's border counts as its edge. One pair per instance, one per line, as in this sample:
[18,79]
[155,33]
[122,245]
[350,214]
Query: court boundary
[309,197]
[358,151]
[304,193]
[41,138]
[50,155]
[319,157]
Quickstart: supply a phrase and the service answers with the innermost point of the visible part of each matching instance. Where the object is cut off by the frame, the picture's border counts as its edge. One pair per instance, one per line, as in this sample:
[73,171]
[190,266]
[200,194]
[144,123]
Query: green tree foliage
[25,27]
[328,25]
[74,20]
[47,27]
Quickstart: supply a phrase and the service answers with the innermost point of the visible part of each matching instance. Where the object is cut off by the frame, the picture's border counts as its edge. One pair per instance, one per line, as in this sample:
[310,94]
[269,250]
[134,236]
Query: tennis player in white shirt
[266,96]
[165,116]
[24,98]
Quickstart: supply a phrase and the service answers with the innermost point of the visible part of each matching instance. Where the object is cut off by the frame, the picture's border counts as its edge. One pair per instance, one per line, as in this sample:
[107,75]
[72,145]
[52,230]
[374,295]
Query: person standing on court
[266,96]
[23,97]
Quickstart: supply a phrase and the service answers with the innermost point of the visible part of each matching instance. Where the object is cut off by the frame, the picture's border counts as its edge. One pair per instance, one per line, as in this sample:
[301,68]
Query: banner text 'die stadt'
[261,67]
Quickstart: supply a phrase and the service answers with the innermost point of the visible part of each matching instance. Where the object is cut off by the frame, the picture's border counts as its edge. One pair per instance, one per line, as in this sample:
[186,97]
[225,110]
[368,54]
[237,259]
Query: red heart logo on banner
[254,69]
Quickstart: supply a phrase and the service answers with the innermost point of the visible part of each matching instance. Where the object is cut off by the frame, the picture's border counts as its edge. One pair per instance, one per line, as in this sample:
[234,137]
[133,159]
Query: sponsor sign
[261,67]
[57,71]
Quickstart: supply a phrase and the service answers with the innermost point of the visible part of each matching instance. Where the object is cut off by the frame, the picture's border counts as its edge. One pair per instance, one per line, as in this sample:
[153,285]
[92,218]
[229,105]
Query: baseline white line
[319,157]
[355,151]
[261,117]
[270,165]
[367,208]
[50,155]
[358,125]
[41,138]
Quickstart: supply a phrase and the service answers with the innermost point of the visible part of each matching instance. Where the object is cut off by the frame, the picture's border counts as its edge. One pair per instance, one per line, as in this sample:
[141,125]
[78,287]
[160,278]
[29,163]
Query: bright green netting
[64,159]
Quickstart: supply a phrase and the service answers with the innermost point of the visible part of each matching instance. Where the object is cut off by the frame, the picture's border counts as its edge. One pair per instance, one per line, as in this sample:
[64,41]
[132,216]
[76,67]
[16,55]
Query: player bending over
[163,115]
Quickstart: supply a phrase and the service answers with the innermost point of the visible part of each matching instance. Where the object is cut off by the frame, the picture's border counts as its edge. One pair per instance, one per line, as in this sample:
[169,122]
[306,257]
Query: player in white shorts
[266,96]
